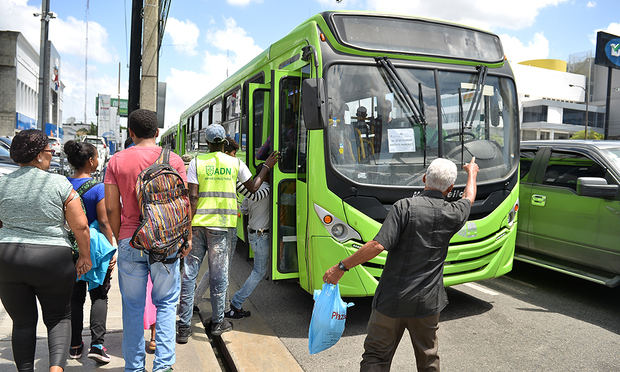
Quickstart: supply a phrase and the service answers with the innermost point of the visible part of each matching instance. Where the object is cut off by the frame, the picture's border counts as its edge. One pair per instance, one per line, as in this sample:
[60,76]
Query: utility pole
[135,56]
[44,64]
[86,64]
[150,56]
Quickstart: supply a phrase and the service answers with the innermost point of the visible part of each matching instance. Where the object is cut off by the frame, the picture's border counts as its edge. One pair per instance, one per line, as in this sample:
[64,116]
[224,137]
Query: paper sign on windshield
[401,140]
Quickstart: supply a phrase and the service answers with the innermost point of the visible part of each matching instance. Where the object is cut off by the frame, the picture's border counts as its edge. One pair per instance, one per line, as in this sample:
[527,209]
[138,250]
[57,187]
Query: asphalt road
[529,320]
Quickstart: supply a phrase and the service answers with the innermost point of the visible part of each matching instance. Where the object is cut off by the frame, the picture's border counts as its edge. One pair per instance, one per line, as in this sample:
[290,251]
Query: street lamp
[587,104]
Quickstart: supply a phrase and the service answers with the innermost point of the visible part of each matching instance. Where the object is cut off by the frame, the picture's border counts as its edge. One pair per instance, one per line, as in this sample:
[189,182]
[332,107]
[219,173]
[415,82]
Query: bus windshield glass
[374,138]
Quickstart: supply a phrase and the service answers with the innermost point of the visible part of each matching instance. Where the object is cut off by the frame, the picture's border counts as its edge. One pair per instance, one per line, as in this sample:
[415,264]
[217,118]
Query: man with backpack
[212,180]
[135,257]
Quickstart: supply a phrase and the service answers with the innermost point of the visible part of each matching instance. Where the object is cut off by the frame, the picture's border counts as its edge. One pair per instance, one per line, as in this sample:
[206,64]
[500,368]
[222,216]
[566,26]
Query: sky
[206,38]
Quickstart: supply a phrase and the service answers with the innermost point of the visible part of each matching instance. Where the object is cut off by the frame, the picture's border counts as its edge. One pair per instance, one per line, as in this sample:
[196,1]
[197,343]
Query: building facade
[19,87]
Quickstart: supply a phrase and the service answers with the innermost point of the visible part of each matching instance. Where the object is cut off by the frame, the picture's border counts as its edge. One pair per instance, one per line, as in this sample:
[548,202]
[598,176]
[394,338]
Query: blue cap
[215,133]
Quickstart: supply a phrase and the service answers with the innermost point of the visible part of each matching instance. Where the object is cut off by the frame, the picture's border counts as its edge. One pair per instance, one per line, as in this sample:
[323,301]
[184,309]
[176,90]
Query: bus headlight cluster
[338,229]
[512,215]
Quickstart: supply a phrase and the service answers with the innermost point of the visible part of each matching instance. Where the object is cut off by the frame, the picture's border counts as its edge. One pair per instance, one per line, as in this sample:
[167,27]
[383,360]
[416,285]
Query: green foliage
[592,134]
[93,130]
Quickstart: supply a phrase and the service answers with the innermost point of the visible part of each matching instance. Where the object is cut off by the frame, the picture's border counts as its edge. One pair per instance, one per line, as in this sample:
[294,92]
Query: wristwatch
[342,267]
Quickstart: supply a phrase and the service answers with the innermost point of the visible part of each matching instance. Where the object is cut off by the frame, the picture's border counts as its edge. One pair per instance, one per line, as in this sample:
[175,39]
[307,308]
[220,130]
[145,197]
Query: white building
[19,86]
[553,101]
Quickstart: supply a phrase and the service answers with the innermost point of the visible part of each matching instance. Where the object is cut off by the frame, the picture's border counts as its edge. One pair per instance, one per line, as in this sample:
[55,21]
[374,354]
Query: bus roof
[300,33]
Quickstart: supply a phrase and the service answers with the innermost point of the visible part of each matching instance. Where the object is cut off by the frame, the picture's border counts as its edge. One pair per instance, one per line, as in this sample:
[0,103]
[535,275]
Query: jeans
[215,242]
[204,281]
[260,245]
[133,270]
[98,311]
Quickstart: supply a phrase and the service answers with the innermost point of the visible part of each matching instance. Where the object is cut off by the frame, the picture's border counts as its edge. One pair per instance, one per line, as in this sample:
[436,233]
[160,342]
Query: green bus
[359,104]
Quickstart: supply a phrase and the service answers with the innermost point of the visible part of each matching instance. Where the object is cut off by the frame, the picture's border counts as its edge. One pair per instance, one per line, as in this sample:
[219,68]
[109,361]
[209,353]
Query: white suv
[102,149]
[55,145]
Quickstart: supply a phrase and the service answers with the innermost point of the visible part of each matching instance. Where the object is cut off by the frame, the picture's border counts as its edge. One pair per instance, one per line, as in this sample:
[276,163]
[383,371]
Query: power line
[126,37]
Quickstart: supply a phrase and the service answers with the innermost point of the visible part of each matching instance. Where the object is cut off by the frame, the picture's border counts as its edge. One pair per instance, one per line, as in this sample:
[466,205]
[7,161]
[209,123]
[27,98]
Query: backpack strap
[86,186]
[164,156]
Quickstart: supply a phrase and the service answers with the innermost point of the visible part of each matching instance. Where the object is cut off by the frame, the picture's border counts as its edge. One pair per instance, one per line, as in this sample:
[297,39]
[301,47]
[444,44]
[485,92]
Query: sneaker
[218,328]
[183,333]
[76,352]
[235,313]
[99,354]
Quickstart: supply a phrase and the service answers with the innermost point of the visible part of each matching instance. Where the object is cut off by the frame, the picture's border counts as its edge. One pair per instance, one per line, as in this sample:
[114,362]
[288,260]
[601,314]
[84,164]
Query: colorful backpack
[164,211]
[83,189]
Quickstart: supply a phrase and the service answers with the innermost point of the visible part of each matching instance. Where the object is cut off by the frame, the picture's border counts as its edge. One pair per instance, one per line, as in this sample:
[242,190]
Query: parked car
[569,216]
[55,145]
[7,165]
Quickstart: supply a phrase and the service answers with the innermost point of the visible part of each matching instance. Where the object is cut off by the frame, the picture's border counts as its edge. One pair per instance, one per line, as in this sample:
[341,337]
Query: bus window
[287,229]
[232,129]
[289,122]
[216,113]
[233,105]
[261,129]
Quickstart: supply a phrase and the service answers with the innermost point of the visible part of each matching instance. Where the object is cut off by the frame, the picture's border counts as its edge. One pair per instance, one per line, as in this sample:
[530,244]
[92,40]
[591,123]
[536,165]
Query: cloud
[517,51]
[184,35]
[98,83]
[591,4]
[613,28]
[486,14]
[67,35]
[233,49]
[242,2]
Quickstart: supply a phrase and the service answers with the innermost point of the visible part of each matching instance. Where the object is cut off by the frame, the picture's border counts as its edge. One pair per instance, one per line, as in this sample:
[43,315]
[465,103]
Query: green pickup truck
[569,217]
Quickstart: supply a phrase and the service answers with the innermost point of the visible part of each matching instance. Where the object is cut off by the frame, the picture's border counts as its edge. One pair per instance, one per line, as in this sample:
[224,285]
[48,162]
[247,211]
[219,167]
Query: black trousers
[45,272]
[384,334]
[98,311]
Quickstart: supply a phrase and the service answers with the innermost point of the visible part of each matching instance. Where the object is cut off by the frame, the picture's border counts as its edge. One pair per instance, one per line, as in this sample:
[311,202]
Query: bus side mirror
[313,103]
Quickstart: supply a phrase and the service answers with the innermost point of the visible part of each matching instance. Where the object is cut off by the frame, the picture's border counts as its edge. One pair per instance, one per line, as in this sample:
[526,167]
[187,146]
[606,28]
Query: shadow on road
[559,293]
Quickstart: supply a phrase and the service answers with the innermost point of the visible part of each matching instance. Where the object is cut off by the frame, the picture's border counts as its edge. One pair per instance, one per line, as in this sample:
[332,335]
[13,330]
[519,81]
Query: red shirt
[123,170]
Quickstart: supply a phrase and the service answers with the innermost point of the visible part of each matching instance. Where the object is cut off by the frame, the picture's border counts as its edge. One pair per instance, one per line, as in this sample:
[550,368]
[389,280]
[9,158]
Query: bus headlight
[338,229]
[512,215]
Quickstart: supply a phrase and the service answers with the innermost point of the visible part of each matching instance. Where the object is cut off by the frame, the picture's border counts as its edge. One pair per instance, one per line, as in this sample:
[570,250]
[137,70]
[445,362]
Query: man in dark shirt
[410,294]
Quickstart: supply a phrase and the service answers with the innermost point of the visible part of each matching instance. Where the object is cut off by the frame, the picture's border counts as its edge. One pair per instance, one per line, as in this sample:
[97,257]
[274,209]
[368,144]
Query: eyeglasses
[50,151]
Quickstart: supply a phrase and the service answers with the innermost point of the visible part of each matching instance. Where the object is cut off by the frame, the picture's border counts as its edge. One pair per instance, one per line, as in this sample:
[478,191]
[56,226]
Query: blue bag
[328,318]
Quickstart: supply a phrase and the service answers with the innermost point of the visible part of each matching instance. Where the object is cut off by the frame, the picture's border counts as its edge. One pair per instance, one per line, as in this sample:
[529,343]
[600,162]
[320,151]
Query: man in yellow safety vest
[212,180]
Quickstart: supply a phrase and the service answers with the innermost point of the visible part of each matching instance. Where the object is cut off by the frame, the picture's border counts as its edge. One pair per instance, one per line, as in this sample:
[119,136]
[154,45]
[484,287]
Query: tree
[93,129]
[591,135]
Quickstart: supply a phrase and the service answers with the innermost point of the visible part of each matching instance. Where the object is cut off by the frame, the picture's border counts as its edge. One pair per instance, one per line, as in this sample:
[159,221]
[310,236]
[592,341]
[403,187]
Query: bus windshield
[374,138]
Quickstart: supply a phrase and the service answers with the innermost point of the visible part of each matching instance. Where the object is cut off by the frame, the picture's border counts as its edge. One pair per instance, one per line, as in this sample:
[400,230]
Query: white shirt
[257,210]
[243,175]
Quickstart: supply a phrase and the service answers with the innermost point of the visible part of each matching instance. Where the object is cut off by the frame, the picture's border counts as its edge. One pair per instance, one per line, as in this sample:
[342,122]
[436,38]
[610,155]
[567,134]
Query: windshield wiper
[417,111]
[479,89]
[468,121]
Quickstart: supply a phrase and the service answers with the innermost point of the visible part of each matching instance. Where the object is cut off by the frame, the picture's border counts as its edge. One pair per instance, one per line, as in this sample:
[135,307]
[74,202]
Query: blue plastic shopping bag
[328,318]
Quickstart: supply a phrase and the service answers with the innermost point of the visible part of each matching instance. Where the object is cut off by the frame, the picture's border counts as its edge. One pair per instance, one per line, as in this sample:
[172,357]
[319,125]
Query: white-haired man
[410,294]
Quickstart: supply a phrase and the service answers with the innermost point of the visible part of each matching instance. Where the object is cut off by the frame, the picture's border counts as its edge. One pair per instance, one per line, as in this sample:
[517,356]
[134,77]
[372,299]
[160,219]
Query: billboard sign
[113,102]
[607,50]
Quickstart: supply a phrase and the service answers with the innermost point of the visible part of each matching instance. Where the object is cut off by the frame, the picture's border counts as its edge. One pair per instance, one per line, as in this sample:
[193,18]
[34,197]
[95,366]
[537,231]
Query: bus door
[259,134]
[286,87]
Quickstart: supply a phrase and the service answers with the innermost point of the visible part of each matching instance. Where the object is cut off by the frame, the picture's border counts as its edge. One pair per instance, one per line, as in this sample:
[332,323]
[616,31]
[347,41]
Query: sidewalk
[196,355]
[251,346]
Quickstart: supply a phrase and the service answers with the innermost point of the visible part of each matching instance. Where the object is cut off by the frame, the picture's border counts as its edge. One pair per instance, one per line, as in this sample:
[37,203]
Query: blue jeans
[133,269]
[203,284]
[215,242]
[260,245]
